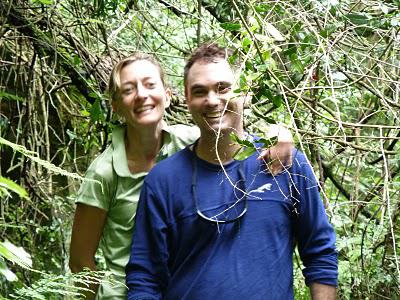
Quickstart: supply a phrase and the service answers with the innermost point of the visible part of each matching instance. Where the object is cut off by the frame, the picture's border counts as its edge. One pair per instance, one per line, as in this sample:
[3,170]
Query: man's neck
[217,150]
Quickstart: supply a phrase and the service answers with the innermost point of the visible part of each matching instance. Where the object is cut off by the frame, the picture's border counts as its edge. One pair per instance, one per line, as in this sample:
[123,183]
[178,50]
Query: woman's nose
[142,92]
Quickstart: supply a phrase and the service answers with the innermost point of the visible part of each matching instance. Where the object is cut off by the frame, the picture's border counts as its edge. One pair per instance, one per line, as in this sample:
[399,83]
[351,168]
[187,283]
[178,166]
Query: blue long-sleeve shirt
[176,254]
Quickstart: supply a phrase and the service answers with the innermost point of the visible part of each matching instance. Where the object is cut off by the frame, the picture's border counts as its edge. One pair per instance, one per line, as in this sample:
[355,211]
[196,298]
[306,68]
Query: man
[210,227]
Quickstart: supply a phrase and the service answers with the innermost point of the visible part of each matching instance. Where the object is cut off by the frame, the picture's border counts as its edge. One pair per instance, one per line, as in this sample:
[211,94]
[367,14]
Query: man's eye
[224,89]
[198,93]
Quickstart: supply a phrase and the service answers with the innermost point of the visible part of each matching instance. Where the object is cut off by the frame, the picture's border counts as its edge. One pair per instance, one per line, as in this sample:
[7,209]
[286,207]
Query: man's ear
[186,94]
[168,96]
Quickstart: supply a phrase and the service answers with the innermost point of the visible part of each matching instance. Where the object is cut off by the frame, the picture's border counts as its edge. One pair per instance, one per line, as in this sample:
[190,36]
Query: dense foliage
[328,69]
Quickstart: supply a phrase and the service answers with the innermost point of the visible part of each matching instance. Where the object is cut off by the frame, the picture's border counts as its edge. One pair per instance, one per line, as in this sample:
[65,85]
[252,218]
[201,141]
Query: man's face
[210,98]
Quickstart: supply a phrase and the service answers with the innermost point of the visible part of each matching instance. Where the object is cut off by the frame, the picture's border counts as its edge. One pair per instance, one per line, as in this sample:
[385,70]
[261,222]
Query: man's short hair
[206,53]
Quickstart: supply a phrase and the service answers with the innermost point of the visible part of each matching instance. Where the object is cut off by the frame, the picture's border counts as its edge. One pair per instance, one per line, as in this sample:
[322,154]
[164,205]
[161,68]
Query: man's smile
[214,114]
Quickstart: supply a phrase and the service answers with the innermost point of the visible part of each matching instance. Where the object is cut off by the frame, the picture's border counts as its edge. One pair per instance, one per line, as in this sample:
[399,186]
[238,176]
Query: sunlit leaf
[274,32]
[244,153]
[268,142]
[8,96]
[241,142]
[262,8]
[277,100]
[6,272]
[265,118]
[12,186]
[45,2]
[357,19]
[231,26]
[15,254]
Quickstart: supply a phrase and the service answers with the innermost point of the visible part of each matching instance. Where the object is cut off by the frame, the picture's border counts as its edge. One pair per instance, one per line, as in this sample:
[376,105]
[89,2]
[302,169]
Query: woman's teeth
[144,108]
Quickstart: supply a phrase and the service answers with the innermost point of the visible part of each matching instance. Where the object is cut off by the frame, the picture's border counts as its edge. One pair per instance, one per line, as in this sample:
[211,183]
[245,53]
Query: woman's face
[143,97]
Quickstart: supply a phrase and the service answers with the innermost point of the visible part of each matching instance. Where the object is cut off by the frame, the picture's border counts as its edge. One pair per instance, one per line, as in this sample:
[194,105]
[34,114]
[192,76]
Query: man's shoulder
[300,160]
[170,166]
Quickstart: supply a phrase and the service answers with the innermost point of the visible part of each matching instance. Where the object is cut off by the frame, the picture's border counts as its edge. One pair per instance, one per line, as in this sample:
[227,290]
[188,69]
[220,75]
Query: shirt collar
[120,162]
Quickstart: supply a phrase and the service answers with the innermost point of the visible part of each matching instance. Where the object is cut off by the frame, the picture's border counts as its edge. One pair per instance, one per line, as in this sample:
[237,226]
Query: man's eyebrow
[197,86]
[224,83]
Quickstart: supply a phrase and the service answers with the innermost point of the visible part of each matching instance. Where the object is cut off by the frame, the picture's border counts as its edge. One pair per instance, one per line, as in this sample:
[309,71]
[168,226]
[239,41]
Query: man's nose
[213,98]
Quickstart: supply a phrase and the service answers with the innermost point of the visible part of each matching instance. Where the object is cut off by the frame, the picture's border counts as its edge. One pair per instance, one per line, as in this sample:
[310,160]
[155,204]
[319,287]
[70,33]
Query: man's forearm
[321,291]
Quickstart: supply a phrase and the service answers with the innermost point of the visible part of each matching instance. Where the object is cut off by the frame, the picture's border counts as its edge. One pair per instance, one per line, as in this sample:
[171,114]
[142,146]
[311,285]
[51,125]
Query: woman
[106,204]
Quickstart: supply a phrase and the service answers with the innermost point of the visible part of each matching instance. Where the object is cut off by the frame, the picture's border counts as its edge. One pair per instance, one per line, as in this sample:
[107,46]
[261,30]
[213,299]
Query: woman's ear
[168,96]
[114,106]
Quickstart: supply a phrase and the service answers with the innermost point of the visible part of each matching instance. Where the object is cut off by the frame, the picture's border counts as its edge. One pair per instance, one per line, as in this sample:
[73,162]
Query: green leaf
[265,118]
[266,55]
[8,96]
[296,63]
[244,153]
[77,60]
[231,26]
[246,42]
[15,254]
[277,101]
[12,186]
[243,143]
[6,272]
[139,25]
[274,32]
[234,137]
[357,19]
[269,142]
[45,2]
[95,111]
[328,30]
[233,58]
[35,157]
[243,82]
[94,95]
[71,134]
[292,49]
[262,8]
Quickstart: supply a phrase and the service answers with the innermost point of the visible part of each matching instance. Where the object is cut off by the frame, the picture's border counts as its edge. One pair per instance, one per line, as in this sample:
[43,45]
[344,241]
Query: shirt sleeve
[315,235]
[147,271]
[95,190]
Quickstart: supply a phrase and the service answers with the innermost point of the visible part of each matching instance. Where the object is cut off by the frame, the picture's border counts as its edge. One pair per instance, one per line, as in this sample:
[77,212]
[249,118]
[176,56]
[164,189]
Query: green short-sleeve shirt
[118,194]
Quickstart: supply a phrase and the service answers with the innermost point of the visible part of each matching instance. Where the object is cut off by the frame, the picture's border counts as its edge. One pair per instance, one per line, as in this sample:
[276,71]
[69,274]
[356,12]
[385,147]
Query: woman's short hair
[114,83]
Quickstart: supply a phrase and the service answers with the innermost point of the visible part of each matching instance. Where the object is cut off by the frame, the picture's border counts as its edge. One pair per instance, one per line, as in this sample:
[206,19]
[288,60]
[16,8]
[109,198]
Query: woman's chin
[145,121]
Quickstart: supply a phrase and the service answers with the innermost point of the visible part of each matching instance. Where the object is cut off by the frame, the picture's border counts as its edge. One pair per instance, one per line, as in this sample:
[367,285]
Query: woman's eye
[127,91]
[151,85]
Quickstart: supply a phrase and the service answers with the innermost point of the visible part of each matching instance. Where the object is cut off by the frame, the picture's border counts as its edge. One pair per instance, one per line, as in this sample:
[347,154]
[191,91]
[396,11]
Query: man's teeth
[144,108]
[216,114]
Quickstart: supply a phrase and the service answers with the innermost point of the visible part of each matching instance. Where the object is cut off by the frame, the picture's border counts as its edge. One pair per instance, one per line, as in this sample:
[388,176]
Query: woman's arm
[86,233]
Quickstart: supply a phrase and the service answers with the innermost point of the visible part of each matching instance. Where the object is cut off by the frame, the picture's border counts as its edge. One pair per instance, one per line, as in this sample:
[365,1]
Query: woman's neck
[142,146]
